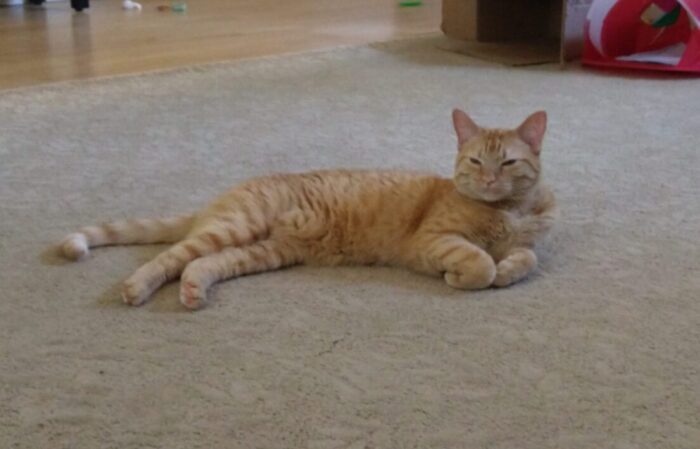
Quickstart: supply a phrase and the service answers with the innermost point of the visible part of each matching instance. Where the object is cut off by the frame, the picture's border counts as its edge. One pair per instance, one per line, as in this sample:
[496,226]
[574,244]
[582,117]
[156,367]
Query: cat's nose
[489,179]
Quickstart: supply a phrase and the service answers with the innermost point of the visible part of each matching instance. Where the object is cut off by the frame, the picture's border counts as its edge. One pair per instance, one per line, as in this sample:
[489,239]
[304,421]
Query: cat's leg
[465,265]
[169,264]
[517,265]
[265,255]
[126,232]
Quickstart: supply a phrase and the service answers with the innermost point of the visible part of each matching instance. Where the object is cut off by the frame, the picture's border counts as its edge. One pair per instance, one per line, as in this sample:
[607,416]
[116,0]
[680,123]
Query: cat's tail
[126,232]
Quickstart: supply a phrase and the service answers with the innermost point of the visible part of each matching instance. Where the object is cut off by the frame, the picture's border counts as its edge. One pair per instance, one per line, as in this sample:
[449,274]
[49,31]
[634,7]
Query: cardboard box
[516,32]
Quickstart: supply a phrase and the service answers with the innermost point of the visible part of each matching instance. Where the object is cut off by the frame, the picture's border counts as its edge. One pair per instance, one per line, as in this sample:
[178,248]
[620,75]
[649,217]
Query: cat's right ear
[464,126]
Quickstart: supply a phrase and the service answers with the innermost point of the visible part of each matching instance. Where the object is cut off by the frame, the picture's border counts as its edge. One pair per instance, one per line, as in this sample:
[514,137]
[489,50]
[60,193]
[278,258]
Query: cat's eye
[474,161]
[509,162]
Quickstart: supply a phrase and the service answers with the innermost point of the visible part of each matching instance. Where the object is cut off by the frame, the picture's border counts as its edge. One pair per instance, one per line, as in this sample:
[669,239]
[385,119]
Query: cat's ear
[532,130]
[464,126]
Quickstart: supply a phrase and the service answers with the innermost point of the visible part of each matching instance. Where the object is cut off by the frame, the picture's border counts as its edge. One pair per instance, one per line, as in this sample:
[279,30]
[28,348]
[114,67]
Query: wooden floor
[52,43]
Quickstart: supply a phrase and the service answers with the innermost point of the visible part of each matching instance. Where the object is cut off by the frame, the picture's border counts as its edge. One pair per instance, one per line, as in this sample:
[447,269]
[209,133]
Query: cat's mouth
[489,194]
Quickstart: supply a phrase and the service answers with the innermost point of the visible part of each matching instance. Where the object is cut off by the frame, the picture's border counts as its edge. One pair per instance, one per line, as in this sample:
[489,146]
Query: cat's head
[498,164]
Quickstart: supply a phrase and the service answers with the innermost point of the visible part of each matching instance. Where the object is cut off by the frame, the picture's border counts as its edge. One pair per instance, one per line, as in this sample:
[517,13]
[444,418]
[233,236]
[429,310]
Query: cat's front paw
[473,270]
[515,267]
[506,274]
[192,295]
[475,277]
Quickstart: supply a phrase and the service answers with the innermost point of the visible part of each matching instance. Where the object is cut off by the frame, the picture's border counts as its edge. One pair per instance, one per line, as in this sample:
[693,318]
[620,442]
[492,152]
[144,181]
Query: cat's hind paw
[74,246]
[134,293]
[192,295]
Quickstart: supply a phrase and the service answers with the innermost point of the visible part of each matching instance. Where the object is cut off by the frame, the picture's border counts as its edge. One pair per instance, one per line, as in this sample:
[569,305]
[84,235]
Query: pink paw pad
[191,295]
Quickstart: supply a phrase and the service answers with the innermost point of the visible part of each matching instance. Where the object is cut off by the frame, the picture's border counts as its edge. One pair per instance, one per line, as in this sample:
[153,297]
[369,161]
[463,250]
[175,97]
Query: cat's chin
[490,197]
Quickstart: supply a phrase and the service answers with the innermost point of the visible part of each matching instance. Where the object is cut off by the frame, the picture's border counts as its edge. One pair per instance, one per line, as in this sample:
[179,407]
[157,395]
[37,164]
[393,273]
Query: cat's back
[347,187]
[340,188]
[348,181]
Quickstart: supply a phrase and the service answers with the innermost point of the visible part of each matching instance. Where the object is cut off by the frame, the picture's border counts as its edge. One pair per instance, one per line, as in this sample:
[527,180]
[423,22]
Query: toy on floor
[410,3]
[174,7]
[644,34]
[129,4]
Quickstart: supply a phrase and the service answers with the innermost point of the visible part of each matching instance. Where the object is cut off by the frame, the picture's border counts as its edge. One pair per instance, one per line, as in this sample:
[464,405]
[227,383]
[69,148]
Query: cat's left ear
[532,130]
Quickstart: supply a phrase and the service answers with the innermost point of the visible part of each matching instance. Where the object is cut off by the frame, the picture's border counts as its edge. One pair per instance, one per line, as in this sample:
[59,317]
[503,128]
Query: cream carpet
[600,349]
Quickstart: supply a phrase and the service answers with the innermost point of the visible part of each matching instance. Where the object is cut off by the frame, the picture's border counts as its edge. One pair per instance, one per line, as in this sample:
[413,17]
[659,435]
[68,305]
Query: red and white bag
[644,34]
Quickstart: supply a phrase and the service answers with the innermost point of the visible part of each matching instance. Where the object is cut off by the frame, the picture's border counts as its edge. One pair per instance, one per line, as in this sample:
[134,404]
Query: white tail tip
[75,246]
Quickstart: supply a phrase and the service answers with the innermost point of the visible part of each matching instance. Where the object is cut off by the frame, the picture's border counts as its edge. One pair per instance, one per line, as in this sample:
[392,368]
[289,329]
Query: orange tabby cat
[475,230]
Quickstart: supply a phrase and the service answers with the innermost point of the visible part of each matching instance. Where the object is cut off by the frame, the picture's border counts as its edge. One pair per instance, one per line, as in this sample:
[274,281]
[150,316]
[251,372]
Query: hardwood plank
[52,43]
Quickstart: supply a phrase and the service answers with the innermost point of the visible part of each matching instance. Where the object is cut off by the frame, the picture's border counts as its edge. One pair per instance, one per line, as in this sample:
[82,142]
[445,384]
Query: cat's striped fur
[476,230]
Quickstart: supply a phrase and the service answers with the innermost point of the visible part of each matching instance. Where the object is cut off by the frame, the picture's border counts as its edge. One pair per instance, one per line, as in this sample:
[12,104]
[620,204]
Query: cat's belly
[327,259]
[326,255]
[357,250]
